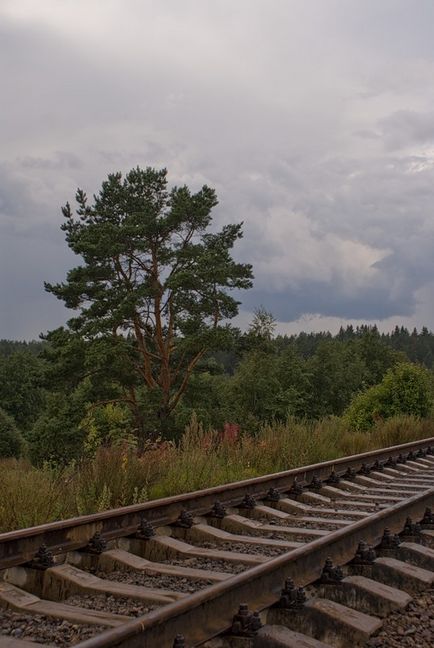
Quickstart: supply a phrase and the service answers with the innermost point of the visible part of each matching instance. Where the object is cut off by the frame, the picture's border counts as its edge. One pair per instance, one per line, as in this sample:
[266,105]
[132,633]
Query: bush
[405,390]
[56,436]
[11,441]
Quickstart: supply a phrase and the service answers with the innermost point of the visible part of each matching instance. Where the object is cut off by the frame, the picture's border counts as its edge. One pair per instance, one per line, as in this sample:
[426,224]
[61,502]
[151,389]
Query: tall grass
[119,476]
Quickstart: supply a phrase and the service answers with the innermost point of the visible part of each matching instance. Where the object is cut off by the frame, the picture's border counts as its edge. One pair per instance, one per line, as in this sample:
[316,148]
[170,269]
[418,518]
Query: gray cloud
[311,119]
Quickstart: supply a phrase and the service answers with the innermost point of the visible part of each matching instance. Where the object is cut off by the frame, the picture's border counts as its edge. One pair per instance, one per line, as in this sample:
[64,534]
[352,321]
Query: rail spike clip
[218,510]
[291,597]
[389,543]
[333,478]
[248,502]
[96,544]
[185,520]
[330,574]
[350,474]
[427,522]
[365,470]
[365,554]
[315,484]
[273,495]
[296,489]
[145,531]
[245,624]
[43,559]
[411,530]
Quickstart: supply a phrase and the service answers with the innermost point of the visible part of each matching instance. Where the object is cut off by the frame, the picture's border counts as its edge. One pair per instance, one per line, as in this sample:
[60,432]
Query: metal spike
[427,522]
[248,502]
[315,484]
[218,510]
[96,545]
[333,478]
[273,495]
[331,574]
[411,529]
[291,597]
[296,490]
[43,559]
[244,623]
[365,470]
[185,520]
[350,474]
[365,554]
[145,531]
[389,543]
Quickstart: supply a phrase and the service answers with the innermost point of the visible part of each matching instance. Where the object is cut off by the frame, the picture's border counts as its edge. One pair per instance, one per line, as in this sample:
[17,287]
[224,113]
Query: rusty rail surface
[18,547]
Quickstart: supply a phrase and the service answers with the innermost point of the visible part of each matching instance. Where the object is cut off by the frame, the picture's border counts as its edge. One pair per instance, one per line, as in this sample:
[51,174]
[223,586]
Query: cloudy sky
[313,119]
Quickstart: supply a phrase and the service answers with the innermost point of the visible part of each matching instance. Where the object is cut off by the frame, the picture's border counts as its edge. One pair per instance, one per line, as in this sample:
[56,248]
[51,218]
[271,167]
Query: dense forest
[60,409]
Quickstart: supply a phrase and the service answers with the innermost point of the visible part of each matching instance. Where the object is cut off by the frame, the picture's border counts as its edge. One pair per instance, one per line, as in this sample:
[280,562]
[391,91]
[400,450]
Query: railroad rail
[174,571]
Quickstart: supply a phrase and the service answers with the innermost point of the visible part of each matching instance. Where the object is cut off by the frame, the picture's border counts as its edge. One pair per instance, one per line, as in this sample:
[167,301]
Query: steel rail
[18,547]
[209,612]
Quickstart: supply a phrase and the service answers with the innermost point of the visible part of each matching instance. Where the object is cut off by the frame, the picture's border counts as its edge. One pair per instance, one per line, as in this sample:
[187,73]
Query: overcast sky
[313,119]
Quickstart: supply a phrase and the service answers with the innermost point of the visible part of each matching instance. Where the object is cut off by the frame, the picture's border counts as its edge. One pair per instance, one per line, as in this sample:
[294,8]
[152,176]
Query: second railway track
[174,572]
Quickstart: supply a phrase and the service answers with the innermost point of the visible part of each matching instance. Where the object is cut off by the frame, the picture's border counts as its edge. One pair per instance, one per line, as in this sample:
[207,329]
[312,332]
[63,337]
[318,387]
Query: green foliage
[153,283]
[336,374]
[8,347]
[405,389]
[107,425]
[56,436]
[11,441]
[21,386]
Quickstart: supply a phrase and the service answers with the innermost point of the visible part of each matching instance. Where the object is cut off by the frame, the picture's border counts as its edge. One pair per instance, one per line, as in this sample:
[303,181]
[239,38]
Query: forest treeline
[56,405]
[149,346]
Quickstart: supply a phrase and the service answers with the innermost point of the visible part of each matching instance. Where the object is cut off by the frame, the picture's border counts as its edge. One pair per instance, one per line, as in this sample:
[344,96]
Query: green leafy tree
[255,391]
[154,280]
[21,386]
[336,375]
[405,389]
[11,442]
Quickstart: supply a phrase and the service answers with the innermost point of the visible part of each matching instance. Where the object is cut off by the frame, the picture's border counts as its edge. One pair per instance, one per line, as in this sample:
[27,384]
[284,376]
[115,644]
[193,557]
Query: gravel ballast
[239,547]
[108,603]
[410,628]
[160,581]
[42,629]
[223,566]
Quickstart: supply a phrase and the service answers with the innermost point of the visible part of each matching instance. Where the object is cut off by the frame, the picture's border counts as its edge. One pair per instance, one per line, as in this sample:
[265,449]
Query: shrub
[11,441]
[56,436]
[107,425]
[405,390]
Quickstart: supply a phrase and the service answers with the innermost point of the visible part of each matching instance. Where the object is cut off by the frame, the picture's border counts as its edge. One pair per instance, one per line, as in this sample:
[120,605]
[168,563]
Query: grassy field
[119,476]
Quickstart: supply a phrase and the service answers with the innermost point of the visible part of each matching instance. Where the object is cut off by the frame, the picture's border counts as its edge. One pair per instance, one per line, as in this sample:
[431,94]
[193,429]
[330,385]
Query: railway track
[226,566]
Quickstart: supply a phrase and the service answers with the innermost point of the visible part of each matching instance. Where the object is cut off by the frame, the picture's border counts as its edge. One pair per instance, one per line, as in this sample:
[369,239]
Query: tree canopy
[154,282]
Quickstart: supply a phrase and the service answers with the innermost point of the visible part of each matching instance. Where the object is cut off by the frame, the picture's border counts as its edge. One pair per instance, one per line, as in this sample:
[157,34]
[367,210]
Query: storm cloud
[312,119]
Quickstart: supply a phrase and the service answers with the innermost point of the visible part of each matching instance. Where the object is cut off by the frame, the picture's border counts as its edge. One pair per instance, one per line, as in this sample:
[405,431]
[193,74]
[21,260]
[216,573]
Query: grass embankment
[118,476]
